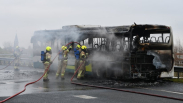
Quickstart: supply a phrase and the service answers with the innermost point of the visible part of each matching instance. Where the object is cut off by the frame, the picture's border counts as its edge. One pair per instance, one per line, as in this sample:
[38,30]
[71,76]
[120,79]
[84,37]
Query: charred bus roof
[89,28]
[97,31]
[119,31]
[88,31]
[143,30]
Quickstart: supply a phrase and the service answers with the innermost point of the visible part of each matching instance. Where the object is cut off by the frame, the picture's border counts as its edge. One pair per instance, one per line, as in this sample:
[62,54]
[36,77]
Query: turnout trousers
[77,63]
[81,69]
[46,64]
[62,64]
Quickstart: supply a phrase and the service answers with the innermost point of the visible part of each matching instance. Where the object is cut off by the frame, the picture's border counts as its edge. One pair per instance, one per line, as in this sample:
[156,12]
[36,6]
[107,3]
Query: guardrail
[2,55]
[6,54]
[23,61]
[178,69]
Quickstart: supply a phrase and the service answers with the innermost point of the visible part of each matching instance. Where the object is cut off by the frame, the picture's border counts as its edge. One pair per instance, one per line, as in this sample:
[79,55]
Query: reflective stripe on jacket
[48,58]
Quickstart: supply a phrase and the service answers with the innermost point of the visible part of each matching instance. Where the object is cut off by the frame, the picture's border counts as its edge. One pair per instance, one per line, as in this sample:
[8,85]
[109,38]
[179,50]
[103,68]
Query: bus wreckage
[126,52]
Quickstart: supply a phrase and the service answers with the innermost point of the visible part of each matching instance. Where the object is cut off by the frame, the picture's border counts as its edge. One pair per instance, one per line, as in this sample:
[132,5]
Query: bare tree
[178,48]
[7,44]
[8,47]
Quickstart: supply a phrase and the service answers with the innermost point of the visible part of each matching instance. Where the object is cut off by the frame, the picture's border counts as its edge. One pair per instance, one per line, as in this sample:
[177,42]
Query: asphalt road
[88,96]
[62,91]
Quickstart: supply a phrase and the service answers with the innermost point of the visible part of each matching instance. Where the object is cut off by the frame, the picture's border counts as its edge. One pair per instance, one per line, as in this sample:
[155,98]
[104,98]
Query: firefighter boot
[57,75]
[45,80]
[62,76]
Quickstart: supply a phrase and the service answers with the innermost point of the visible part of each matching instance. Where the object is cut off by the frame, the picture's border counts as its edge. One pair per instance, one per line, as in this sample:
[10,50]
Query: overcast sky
[26,16]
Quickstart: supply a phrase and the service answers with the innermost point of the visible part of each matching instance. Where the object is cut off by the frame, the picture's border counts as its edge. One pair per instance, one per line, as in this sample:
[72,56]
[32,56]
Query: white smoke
[73,33]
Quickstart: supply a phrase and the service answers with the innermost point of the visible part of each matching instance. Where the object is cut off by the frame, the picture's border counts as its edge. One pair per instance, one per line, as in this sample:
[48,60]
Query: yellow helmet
[48,48]
[78,46]
[64,48]
[17,46]
[83,47]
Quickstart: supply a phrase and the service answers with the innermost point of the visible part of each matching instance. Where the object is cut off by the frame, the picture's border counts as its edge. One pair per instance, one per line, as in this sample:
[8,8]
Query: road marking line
[10,82]
[164,91]
[84,96]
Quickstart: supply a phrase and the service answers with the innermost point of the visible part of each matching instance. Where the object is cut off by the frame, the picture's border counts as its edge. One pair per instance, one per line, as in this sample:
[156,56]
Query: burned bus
[135,51]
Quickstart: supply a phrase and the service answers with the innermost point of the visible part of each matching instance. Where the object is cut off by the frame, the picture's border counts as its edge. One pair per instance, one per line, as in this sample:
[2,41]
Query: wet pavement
[156,85]
[12,82]
[89,96]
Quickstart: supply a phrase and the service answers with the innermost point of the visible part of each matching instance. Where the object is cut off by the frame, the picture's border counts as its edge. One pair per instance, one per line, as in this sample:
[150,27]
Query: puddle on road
[12,82]
[20,81]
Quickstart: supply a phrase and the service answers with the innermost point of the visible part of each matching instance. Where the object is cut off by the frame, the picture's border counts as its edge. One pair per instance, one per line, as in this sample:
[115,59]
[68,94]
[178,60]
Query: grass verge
[180,80]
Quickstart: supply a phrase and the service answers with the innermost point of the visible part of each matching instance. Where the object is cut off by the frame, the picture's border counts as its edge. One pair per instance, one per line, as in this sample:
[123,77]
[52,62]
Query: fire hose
[90,85]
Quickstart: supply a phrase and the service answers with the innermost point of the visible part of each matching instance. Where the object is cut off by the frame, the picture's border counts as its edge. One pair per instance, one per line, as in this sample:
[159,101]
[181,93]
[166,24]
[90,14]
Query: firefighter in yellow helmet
[47,62]
[17,58]
[62,61]
[77,52]
[82,62]
[86,52]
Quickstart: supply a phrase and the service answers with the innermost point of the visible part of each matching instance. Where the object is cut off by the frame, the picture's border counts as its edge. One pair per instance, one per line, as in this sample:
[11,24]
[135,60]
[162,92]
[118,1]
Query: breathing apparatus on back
[43,54]
[77,52]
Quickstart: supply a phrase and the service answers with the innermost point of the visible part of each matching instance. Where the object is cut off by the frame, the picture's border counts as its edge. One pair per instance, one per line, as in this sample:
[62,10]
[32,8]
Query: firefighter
[47,62]
[82,62]
[62,61]
[86,63]
[77,51]
[17,58]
